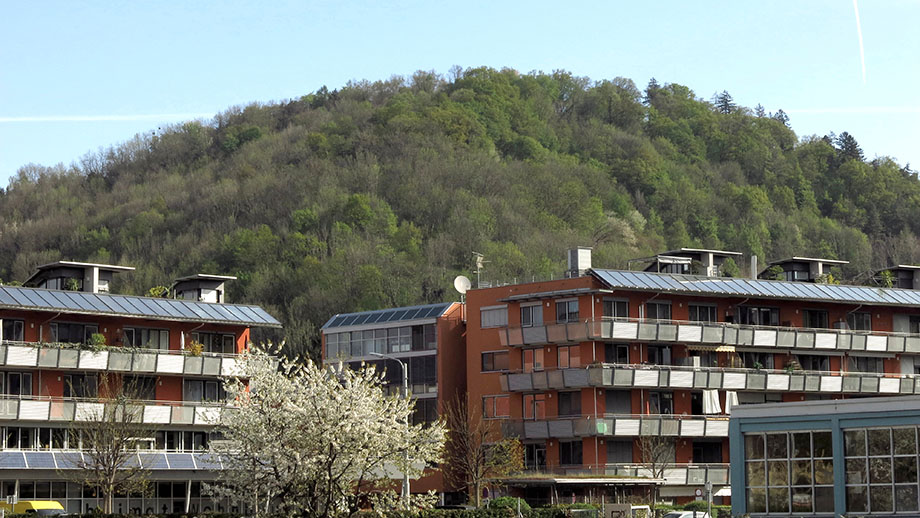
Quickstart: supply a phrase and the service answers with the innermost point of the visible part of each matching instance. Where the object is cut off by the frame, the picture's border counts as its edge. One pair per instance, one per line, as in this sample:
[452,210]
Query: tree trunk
[477,488]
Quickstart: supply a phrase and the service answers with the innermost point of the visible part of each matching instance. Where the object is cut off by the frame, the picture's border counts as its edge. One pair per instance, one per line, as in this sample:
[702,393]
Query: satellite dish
[462,284]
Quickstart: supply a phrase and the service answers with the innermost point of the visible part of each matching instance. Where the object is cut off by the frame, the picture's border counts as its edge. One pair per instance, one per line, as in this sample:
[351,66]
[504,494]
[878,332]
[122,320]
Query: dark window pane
[879,442]
[905,498]
[855,441]
[856,499]
[776,446]
[880,498]
[753,446]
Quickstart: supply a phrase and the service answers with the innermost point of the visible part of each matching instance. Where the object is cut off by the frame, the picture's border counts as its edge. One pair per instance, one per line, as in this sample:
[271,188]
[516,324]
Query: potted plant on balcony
[96,342]
[194,348]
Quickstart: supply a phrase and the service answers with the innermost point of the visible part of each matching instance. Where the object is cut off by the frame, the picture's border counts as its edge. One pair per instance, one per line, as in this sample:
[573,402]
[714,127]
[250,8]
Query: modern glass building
[836,458]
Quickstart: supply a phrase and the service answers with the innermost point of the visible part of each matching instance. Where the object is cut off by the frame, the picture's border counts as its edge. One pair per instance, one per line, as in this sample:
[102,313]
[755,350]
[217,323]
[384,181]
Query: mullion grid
[776,482]
[882,471]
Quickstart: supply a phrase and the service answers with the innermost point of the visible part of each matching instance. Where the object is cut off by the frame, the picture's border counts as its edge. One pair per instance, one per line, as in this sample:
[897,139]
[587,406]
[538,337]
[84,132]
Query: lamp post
[405,395]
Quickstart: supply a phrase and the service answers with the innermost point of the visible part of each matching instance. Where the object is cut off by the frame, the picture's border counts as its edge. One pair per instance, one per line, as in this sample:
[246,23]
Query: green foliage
[508,502]
[375,194]
[158,292]
[774,273]
[729,268]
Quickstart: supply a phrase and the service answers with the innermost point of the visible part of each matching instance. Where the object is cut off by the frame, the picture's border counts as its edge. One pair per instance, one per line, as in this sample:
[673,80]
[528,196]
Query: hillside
[376,194]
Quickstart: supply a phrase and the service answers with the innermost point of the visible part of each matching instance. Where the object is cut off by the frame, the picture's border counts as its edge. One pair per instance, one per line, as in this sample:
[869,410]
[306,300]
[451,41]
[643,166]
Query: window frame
[566,312]
[491,355]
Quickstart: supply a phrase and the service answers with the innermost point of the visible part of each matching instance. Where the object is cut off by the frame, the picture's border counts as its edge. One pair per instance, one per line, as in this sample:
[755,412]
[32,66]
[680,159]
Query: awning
[712,348]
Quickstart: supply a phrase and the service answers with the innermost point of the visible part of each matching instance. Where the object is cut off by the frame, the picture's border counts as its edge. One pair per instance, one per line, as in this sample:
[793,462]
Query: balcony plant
[96,342]
[194,348]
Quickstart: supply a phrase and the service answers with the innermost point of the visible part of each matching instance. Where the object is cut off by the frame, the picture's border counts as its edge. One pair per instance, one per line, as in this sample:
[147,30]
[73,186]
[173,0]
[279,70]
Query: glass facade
[789,473]
[881,467]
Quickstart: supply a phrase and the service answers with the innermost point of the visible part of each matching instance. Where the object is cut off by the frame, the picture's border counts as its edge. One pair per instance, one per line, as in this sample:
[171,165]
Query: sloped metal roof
[83,303]
[730,286]
[387,316]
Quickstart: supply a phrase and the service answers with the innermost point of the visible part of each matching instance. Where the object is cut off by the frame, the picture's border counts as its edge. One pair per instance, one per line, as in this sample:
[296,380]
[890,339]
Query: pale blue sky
[77,75]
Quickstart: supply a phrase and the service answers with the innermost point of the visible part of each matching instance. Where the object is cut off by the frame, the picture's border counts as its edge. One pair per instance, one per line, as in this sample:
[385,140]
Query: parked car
[39,507]
[687,514]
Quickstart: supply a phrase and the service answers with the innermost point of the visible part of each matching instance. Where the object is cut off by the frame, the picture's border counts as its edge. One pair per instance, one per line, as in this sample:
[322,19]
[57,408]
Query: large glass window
[616,308]
[495,361]
[531,315]
[813,362]
[865,364]
[72,333]
[568,356]
[881,470]
[534,406]
[789,472]
[570,453]
[13,330]
[859,321]
[496,406]
[660,403]
[203,390]
[758,316]
[616,353]
[567,311]
[703,313]
[658,310]
[814,318]
[535,456]
[16,383]
[80,385]
[619,452]
[569,403]
[493,317]
[146,338]
[533,359]
[216,342]
[659,354]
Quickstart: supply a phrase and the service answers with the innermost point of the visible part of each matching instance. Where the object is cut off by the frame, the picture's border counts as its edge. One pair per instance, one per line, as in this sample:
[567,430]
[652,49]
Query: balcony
[66,410]
[716,333]
[120,359]
[678,474]
[675,377]
[621,425]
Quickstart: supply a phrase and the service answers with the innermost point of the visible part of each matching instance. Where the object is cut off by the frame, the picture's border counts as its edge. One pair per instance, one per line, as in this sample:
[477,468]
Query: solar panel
[180,461]
[16,297]
[40,460]
[154,460]
[207,461]
[388,315]
[12,460]
[68,460]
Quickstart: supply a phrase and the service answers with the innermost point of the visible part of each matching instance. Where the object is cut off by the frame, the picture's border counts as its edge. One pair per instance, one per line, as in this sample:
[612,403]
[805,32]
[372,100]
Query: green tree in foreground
[317,442]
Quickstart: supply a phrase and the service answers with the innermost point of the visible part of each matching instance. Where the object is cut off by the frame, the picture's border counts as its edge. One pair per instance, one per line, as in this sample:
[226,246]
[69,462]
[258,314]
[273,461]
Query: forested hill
[376,194]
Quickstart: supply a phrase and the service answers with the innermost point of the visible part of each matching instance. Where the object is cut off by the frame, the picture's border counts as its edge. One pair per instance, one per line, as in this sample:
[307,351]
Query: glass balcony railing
[52,409]
[678,377]
[619,425]
[716,333]
[119,359]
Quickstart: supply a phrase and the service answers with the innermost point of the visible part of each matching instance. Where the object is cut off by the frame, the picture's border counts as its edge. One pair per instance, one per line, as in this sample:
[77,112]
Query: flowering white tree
[316,441]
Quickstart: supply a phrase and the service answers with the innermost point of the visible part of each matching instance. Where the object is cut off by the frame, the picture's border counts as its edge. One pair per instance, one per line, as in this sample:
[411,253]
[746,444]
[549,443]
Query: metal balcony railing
[676,474]
[118,359]
[618,425]
[680,377]
[55,409]
[716,333]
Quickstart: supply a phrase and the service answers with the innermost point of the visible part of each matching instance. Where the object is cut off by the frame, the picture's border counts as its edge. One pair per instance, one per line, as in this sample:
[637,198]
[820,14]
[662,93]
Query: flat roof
[206,277]
[552,294]
[742,287]
[701,250]
[131,306]
[809,260]
[113,267]
[828,407]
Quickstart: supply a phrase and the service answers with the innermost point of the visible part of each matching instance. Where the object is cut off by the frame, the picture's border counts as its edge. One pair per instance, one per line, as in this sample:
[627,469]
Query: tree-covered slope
[376,194]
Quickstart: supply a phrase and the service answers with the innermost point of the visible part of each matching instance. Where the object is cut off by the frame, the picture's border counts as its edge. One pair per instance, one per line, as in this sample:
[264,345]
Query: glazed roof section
[388,316]
[82,303]
[738,287]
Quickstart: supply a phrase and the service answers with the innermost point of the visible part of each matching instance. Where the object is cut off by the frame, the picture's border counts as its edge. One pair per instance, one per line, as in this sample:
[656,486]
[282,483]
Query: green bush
[508,502]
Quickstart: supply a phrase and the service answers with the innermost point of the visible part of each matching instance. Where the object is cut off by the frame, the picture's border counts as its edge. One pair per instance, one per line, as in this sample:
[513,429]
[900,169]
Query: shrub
[508,502]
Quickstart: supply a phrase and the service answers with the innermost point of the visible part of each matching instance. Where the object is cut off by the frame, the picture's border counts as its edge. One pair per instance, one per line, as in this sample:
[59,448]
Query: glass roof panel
[12,459]
[40,460]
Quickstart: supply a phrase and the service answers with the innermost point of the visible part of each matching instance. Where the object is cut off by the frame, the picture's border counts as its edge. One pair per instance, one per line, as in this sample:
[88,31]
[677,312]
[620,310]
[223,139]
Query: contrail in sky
[109,118]
[862,52]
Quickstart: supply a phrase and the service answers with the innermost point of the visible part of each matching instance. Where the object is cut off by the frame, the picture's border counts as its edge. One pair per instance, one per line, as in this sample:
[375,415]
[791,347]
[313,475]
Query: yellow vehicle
[38,507]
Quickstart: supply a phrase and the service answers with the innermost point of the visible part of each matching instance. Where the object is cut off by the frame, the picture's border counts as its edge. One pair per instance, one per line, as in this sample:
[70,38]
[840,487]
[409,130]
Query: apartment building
[49,379]
[594,370]
[427,340]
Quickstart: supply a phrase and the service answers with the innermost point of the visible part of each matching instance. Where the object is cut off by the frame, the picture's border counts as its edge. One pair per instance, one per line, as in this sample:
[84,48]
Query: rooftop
[388,316]
[809,259]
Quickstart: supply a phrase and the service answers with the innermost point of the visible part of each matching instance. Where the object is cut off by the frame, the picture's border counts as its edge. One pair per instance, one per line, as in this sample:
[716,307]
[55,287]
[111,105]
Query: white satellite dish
[462,284]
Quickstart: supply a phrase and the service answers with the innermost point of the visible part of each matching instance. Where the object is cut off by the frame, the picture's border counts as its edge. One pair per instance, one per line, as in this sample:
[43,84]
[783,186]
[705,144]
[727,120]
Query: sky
[80,76]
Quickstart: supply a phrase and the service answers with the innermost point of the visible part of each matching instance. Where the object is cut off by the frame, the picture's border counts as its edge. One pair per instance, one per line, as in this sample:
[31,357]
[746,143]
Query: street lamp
[405,395]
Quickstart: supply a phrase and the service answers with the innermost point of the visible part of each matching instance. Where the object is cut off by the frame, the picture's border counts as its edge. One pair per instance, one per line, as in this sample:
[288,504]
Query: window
[496,406]
[141,387]
[423,373]
[859,321]
[569,403]
[813,362]
[616,353]
[217,343]
[703,313]
[535,456]
[533,359]
[13,330]
[790,473]
[660,403]
[495,316]
[534,406]
[16,383]
[865,364]
[424,338]
[619,452]
[531,315]
[569,453]
[618,402]
[203,390]
[616,308]
[72,333]
[707,452]
[758,316]
[80,385]
[146,338]
[757,360]
[915,324]
[881,470]
[568,356]
[659,354]
[814,318]
[62,283]
[567,311]
[495,361]
[426,411]
[658,310]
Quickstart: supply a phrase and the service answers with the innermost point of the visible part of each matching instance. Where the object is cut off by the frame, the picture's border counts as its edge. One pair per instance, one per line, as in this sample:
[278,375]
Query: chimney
[579,261]
[754,266]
